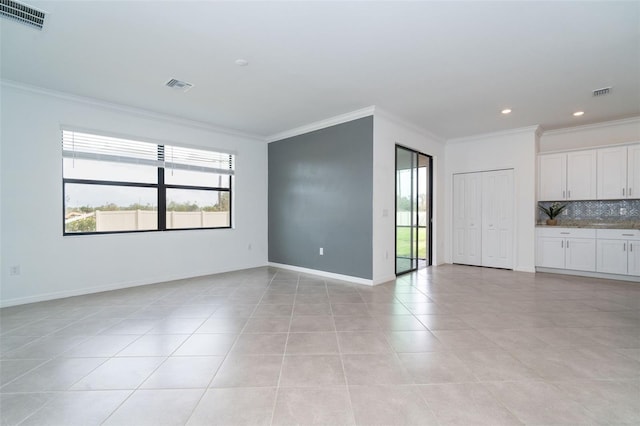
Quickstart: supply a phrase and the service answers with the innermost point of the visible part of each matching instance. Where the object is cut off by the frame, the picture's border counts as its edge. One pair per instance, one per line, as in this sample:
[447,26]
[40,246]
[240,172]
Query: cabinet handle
[568,194]
[565,233]
[624,246]
[629,192]
[567,243]
[623,192]
[631,247]
[628,235]
[563,195]
[562,243]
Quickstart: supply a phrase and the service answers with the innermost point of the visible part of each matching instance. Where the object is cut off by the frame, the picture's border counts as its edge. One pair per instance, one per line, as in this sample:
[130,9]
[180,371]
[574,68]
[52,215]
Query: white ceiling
[448,67]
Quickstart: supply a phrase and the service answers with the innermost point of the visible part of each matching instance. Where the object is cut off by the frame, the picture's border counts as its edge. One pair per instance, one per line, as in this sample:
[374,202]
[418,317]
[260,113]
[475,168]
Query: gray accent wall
[321,195]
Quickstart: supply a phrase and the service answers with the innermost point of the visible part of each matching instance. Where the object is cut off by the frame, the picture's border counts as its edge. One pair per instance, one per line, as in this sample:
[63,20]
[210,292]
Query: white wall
[601,134]
[387,132]
[54,266]
[506,150]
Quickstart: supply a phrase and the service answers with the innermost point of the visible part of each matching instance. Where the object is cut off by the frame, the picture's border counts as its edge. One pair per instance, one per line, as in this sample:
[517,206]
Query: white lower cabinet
[566,248]
[618,251]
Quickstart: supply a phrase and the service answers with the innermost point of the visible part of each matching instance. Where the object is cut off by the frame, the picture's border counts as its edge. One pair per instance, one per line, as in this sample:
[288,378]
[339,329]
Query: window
[120,185]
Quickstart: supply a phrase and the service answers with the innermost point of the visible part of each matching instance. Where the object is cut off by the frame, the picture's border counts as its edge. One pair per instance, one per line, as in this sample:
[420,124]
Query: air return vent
[22,13]
[180,85]
[602,92]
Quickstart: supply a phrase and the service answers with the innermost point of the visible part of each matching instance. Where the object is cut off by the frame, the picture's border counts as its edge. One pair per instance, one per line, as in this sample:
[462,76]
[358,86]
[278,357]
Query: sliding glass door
[413,210]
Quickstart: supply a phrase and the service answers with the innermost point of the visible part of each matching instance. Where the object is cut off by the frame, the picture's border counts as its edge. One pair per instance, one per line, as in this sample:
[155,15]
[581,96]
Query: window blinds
[105,148]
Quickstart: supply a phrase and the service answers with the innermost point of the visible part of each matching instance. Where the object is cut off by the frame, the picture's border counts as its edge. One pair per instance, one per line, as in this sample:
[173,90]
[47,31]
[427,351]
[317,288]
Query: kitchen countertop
[593,225]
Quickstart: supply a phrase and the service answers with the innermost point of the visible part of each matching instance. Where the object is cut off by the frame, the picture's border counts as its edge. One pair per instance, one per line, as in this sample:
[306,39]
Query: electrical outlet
[321,251]
[14,270]
[623,211]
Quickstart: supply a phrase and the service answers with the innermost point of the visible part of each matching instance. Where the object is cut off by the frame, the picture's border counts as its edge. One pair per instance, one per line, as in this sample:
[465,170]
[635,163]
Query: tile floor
[450,345]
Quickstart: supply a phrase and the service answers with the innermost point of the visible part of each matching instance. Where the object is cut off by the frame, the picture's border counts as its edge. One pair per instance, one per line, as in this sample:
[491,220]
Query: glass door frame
[414,210]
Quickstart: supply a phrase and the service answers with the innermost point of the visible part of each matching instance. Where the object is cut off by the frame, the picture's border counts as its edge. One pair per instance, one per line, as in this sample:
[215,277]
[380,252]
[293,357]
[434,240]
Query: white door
[581,175]
[633,171]
[612,173]
[497,219]
[552,182]
[467,210]
[612,256]
[633,255]
[550,252]
[580,254]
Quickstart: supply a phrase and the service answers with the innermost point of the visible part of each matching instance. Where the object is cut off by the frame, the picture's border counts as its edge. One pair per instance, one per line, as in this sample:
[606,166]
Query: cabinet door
[580,254]
[612,173]
[633,256]
[497,219]
[581,175]
[552,177]
[467,242]
[612,256]
[550,252]
[633,171]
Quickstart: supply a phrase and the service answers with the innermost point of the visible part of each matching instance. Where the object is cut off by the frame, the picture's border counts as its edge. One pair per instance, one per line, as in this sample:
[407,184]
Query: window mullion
[162,192]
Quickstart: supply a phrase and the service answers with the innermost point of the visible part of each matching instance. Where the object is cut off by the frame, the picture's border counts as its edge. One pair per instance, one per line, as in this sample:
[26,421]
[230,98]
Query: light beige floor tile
[273,311]
[436,367]
[101,346]
[390,405]
[156,408]
[255,344]
[540,403]
[463,339]
[15,407]
[184,373]
[361,342]
[238,407]
[154,345]
[206,344]
[248,371]
[400,323]
[443,322]
[119,374]
[311,323]
[466,404]
[312,371]
[414,341]
[312,343]
[222,325]
[311,309]
[267,325]
[79,408]
[495,364]
[374,370]
[314,406]
[13,368]
[610,402]
[56,375]
[174,325]
[346,323]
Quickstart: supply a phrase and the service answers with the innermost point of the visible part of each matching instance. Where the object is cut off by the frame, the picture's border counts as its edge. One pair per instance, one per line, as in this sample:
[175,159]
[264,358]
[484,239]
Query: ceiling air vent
[180,85]
[602,92]
[22,13]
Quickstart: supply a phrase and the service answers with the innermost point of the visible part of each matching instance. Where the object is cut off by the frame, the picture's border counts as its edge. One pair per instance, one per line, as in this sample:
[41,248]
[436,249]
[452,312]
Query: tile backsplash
[597,211]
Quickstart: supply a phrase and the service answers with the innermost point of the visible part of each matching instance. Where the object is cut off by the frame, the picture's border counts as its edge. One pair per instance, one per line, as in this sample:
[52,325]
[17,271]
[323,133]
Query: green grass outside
[403,242]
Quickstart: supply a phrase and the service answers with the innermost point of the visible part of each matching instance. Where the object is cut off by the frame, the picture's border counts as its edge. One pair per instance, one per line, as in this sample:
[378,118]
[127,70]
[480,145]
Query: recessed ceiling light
[242,62]
[506,111]
[578,113]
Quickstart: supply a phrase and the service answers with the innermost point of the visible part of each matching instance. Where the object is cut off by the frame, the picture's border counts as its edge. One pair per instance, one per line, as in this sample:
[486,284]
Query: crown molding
[401,121]
[328,122]
[529,129]
[592,126]
[144,113]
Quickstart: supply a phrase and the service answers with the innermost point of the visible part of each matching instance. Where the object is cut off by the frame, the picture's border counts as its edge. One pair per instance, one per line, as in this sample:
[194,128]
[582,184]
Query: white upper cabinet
[581,175]
[618,172]
[567,176]
[633,171]
[552,173]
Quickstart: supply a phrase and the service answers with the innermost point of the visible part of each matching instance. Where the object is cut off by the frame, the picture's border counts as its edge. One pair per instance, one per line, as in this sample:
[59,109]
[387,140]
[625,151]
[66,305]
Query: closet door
[467,218]
[497,219]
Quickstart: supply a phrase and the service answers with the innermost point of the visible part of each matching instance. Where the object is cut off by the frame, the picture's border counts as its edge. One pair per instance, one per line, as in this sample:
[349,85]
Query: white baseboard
[349,278]
[590,274]
[525,269]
